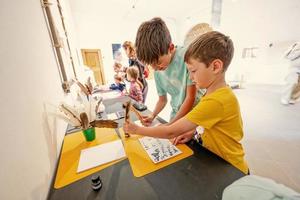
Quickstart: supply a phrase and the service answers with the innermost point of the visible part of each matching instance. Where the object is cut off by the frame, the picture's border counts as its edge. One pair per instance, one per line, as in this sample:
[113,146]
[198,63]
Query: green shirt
[174,80]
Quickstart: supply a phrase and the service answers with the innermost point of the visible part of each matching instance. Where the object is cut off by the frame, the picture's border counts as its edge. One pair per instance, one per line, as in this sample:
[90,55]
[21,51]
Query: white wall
[30,141]
[250,23]
[100,23]
[255,23]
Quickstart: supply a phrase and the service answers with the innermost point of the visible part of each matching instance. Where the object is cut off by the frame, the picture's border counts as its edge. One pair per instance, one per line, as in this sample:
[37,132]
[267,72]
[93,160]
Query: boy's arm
[187,104]
[165,131]
[161,103]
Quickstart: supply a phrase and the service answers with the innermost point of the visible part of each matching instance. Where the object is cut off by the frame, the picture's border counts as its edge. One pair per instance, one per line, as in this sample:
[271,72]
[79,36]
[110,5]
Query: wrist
[135,130]
[152,116]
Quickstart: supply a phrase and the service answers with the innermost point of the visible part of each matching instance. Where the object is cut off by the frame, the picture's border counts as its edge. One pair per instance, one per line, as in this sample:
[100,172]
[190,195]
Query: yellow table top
[70,154]
[140,162]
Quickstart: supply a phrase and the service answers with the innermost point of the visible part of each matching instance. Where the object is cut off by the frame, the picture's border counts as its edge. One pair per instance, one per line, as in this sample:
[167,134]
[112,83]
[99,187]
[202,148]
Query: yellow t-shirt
[219,114]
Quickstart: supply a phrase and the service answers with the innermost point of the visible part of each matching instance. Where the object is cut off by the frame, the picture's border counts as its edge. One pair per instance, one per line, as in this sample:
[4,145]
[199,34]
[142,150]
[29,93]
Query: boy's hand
[181,139]
[147,120]
[130,127]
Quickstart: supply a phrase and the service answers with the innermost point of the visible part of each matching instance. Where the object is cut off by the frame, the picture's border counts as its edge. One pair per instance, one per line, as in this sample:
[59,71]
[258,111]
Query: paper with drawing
[159,149]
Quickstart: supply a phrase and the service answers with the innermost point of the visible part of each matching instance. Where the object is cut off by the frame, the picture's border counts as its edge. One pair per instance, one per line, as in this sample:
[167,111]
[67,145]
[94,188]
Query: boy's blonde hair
[153,40]
[129,45]
[134,73]
[209,46]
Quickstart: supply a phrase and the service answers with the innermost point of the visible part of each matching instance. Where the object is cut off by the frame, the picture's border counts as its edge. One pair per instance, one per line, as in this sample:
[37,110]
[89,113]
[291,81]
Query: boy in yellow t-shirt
[218,112]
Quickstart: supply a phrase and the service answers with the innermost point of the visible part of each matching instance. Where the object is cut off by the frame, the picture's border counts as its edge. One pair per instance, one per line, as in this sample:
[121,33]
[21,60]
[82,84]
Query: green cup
[89,134]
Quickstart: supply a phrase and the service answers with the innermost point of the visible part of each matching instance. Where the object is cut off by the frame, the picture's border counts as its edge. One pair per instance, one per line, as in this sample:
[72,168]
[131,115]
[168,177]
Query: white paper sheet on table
[159,149]
[112,116]
[100,154]
[111,94]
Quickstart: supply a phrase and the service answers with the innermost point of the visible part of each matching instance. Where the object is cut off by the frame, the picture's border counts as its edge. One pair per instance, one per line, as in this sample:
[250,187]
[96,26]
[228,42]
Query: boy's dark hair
[153,40]
[210,46]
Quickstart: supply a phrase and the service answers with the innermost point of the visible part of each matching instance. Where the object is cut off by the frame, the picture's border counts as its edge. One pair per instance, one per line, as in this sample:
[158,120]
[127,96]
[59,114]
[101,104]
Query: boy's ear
[171,47]
[217,66]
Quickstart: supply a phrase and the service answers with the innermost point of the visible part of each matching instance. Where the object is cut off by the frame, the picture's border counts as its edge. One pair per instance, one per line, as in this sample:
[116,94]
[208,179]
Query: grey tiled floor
[272,132]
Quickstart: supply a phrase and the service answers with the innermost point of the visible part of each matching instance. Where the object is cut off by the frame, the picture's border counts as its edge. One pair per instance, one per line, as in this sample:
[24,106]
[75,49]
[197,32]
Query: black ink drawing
[159,149]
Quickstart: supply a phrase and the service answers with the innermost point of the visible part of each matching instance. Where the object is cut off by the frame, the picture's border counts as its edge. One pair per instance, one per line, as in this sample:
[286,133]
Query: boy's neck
[218,83]
[173,53]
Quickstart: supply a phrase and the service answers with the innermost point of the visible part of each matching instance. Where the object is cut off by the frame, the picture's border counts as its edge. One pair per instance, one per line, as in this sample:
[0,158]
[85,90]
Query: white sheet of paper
[100,154]
[112,116]
[111,94]
[159,149]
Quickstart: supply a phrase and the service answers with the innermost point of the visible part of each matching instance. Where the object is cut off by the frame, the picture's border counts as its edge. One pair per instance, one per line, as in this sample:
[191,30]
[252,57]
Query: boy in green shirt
[154,47]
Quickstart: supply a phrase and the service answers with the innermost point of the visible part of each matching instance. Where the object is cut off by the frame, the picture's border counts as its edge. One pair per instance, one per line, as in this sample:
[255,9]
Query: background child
[133,61]
[154,47]
[218,112]
[293,55]
[119,69]
[136,87]
[118,85]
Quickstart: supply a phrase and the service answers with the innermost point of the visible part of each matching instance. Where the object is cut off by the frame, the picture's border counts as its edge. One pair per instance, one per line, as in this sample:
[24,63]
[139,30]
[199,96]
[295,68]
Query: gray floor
[272,132]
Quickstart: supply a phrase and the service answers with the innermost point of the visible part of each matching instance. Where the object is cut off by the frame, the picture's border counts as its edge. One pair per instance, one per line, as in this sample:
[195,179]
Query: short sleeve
[188,81]
[206,113]
[158,84]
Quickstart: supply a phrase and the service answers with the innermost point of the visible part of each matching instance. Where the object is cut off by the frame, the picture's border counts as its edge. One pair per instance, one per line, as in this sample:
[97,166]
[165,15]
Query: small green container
[89,134]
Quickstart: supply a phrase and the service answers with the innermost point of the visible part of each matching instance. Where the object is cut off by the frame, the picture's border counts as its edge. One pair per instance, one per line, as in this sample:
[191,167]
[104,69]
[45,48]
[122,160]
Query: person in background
[133,61]
[195,32]
[136,87]
[119,84]
[292,87]
[218,112]
[119,69]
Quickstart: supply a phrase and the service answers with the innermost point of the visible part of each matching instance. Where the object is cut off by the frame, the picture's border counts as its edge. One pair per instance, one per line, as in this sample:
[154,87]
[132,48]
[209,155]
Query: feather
[83,88]
[71,121]
[93,109]
[104,124]
[68,113]
[98,105]
[138,114]
[89,85]
[84,120]
[72,109]
[127,106]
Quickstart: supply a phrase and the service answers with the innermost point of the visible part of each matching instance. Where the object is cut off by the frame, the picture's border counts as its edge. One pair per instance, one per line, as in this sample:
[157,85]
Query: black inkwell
[96,183]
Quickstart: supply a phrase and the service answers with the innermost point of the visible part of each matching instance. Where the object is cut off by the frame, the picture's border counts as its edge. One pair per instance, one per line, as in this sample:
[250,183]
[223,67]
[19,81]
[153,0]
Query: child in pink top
[136,87]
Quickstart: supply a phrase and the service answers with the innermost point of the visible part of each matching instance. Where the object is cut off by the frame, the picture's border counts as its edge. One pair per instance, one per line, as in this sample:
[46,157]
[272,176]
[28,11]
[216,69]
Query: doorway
[93,59]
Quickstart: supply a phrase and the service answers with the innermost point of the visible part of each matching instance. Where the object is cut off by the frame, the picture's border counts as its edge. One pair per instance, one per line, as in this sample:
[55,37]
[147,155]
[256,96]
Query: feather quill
[69,114]
[83,88]
[127,106]
[71,121]
[84,121]
[89,85]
